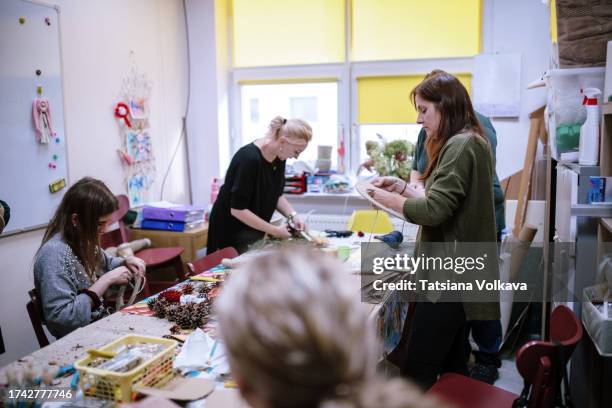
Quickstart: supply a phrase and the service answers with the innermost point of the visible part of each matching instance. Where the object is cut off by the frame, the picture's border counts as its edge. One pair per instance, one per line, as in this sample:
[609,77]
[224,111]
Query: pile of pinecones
[189,315]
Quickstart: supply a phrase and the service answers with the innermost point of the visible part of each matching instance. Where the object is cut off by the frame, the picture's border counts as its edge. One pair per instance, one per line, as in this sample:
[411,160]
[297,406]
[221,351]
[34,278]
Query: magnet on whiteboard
[57,185]
[47,21]
[39,90]
[52,165]
[57,140]
[21,20]
[55,157]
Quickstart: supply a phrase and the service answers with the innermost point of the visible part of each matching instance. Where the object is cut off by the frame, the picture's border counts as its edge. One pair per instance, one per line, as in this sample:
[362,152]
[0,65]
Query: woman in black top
[253,188]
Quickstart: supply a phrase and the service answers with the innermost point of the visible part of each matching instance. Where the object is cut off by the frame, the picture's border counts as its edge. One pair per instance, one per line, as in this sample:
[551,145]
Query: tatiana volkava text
[424,284]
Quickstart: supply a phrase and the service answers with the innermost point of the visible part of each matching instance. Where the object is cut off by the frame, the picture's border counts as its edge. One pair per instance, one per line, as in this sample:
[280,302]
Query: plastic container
[565,112]
[118,386]
[589,132]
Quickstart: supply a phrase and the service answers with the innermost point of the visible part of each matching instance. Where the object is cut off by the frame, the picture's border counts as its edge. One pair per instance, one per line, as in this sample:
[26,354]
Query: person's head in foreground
[297,335]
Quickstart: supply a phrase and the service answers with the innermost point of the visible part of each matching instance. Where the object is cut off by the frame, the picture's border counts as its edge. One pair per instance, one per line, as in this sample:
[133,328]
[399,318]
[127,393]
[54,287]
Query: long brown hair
[90,200]
[456,112]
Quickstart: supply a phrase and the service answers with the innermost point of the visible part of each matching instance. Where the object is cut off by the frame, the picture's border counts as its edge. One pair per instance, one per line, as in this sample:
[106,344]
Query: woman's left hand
[299,223]
[136,265]
[392,201]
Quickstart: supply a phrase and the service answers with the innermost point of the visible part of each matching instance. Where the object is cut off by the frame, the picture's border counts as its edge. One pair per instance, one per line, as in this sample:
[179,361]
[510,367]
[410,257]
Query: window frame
[346,74]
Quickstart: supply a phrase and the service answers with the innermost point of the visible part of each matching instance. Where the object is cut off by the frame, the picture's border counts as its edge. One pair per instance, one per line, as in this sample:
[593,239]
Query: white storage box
[597,320]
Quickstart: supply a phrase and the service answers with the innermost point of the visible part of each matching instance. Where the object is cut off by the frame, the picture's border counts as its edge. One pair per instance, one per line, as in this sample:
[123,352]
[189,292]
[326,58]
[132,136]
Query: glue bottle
[589,132]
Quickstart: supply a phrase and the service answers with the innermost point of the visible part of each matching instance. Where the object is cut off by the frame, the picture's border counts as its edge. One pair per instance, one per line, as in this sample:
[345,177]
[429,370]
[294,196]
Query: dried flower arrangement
[167,305]
[389,158]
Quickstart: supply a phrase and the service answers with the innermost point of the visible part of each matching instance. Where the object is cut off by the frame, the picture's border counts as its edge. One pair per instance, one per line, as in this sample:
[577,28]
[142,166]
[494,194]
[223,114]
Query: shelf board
[606,108]
[590,210]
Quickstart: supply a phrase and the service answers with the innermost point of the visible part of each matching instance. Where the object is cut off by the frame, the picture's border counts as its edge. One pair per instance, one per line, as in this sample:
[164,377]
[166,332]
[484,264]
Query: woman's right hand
[280,231]
[118,276]
[389,183]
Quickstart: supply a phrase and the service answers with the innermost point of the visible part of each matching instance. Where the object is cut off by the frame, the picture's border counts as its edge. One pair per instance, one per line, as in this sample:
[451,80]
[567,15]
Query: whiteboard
[27,167]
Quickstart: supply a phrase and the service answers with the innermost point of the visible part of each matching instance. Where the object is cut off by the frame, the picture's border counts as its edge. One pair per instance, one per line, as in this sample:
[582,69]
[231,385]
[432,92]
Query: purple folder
[183,213]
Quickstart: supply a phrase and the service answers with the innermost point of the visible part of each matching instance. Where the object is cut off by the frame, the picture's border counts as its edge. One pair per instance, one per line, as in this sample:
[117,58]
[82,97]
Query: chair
[153,257]
[34,307]
[211,260]
[540,363]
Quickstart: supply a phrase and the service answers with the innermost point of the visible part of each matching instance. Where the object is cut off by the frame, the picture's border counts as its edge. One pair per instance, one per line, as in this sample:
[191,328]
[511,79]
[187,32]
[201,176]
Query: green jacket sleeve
[447,189]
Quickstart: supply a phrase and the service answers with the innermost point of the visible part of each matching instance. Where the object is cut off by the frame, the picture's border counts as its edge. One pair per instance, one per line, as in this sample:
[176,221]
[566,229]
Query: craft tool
[212,353]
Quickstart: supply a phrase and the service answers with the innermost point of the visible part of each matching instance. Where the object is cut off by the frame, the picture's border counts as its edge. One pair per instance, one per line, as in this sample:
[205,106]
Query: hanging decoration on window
[136,153]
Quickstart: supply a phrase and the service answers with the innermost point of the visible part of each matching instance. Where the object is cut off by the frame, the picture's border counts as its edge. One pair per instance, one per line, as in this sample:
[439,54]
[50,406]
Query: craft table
[72,347]
[192,240]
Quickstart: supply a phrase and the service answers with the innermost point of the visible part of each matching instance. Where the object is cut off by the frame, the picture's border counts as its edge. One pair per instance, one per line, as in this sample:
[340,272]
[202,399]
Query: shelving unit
[590,369]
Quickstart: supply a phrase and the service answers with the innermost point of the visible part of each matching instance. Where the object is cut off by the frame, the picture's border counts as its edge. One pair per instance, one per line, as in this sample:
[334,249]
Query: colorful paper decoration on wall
[136,153]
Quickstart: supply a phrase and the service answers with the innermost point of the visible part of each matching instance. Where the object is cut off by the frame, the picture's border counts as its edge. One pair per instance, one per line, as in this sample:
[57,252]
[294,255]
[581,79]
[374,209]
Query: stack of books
[172,217]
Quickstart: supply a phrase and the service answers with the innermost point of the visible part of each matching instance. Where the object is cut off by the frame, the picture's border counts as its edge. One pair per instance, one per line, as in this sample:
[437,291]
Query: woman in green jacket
[456,206]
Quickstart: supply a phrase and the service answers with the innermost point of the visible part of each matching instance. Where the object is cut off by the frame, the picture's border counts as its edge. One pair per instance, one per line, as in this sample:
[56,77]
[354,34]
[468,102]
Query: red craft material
[122,111]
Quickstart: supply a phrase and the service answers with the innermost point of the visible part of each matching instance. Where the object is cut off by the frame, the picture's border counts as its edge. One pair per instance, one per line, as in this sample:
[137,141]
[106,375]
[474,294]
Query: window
[362,58]
[317,103]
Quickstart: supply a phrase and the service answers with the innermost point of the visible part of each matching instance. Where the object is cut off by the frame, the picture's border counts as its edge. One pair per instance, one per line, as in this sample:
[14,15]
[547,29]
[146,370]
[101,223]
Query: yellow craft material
[100,353]
[205,279]
[230,384]
[370,221]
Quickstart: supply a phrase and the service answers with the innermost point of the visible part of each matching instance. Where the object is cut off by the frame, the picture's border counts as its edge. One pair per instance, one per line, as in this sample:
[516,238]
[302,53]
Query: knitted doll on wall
[41,111]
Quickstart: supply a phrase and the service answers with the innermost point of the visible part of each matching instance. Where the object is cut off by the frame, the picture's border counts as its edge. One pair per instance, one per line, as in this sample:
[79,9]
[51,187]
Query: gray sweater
[59,277]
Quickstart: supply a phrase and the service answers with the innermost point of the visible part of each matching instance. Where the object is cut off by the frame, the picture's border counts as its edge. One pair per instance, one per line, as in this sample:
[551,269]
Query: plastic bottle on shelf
[589,132]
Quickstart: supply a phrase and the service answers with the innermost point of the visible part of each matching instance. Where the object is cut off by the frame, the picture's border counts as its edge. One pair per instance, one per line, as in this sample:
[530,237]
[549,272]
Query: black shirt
[252,183]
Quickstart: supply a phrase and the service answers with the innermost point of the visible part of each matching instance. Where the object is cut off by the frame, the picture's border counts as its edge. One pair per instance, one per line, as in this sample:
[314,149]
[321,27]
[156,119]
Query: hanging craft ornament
[122,112]
[41,111]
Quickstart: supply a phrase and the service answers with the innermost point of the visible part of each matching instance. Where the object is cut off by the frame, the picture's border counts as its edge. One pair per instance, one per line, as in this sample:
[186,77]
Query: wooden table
[192,240]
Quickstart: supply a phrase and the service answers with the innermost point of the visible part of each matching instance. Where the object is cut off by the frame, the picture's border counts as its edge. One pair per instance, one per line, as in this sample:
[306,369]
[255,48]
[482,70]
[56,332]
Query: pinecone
[200,314]
[184,318]
[172,312]
[176,329]
[187,289]
[159,306]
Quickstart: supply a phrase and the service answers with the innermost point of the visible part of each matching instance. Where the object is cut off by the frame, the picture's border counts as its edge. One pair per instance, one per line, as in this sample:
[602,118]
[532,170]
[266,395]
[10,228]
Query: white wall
[97,37]
[207,121]
[518,26]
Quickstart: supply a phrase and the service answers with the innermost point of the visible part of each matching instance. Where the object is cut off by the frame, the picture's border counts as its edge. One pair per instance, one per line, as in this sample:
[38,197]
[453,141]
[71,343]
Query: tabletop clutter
[189,362]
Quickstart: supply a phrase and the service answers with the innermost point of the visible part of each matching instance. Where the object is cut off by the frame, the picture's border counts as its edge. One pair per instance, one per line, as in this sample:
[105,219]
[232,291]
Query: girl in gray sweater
[71,271]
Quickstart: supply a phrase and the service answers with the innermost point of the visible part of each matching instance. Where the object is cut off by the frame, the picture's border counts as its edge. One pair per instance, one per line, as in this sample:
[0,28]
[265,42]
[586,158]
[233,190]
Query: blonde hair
[292,129]
[297,334]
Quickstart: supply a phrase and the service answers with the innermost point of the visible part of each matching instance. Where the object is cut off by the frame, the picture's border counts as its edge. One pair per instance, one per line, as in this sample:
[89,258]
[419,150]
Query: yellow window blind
[287,32]
[412,29]
[387,99]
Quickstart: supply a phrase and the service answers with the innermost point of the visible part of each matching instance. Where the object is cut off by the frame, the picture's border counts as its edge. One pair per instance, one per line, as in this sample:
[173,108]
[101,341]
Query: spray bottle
[589,132]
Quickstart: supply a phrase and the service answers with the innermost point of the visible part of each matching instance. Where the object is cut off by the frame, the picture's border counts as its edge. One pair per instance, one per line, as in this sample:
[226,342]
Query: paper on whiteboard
[497,84]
